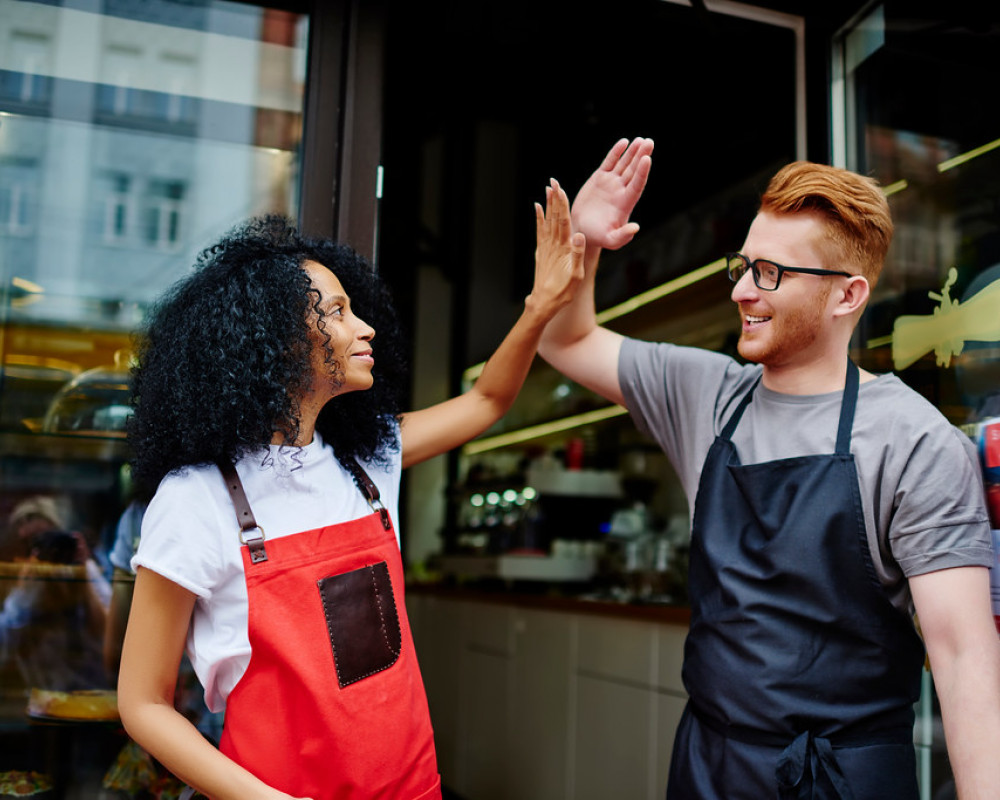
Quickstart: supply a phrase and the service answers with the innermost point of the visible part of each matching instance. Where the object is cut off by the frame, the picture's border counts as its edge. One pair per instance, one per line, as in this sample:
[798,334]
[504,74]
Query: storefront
[132,134]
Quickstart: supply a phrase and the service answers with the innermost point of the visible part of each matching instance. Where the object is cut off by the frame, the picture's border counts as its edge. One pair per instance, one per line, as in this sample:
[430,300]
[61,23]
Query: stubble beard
[788,334]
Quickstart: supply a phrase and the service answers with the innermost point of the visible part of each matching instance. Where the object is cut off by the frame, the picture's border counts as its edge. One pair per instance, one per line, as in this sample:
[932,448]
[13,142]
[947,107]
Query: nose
[744,288]
[365,331]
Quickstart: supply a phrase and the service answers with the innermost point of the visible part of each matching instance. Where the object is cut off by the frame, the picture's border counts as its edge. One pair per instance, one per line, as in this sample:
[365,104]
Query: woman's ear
[853,296]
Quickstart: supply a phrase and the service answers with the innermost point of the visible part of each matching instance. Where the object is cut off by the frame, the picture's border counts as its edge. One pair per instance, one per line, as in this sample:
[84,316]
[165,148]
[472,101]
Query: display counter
[550,600]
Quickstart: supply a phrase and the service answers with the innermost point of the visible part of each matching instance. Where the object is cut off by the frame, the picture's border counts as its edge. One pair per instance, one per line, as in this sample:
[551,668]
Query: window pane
[129,139]
[921,121]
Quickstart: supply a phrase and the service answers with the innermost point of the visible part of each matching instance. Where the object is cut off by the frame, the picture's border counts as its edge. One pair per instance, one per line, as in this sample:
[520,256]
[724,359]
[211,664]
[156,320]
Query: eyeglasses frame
[752,267]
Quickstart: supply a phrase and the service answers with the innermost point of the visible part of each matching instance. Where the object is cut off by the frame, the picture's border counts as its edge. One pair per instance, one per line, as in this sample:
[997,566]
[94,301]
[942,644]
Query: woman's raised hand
[605,202]
[558,254]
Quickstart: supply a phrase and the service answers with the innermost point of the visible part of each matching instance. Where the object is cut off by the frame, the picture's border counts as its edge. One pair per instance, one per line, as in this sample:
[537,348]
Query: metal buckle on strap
[383,512]
[258,552]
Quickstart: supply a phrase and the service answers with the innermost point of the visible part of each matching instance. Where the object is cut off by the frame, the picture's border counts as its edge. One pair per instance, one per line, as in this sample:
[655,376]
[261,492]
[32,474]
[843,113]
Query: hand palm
[604,203]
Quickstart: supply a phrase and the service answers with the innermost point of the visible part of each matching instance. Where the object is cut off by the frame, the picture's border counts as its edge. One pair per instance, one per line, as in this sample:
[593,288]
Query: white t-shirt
[190,537]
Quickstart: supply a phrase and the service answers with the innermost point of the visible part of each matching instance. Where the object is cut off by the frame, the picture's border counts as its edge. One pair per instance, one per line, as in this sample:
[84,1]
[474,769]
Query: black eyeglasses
[767,274]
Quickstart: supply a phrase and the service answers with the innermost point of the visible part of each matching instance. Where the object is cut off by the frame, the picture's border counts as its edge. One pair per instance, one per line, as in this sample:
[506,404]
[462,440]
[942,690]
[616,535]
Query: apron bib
[801,673]
[332,704]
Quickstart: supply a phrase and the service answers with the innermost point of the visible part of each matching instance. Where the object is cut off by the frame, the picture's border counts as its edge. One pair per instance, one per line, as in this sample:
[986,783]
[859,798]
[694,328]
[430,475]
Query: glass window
[129,139]
[916,99]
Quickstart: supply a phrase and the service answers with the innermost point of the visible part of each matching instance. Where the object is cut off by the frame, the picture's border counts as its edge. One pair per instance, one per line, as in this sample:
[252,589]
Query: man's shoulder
[905,419]
[887,397]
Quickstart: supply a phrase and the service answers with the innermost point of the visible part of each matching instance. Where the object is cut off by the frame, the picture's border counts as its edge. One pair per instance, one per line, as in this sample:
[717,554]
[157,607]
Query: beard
[786,335]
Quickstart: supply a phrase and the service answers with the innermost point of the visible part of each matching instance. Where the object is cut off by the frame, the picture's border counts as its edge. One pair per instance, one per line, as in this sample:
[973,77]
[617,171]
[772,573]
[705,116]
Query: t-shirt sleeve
[677,395]
[939,518]
[182,532]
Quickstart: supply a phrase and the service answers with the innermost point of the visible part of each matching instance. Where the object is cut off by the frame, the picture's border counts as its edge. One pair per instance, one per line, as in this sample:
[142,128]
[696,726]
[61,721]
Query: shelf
[513,567]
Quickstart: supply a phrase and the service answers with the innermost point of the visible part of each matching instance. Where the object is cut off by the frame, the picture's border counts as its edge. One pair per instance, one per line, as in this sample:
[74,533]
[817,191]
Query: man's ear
[852,296]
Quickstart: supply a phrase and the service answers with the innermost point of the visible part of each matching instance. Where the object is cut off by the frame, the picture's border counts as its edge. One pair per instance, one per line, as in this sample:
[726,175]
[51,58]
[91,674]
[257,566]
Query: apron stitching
[326,616]
[381,614]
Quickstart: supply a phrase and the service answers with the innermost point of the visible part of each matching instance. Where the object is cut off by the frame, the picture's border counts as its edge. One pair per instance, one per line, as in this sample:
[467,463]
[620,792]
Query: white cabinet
[613,752]
[484,702]
[534,704]
[629,700]
[541,705]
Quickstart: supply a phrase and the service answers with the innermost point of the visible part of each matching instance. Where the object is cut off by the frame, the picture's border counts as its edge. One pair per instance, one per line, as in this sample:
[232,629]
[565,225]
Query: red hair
[854,206]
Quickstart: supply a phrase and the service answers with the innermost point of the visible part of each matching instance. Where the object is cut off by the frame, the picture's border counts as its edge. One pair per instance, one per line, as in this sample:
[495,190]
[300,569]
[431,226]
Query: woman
[284,580]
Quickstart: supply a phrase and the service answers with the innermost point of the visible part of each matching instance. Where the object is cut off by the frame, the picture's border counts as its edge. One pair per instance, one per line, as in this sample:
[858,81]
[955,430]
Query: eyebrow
[335,300]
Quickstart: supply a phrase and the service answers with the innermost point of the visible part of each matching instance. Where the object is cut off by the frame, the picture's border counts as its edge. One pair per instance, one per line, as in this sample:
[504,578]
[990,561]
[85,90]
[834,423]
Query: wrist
[537,311]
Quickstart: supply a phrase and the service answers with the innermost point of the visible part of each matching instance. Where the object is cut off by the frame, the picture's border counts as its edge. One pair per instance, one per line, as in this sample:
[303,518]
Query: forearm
[504,372]
[577,319]
[964,651]
[969,691]
[431,431]
[154,644]
[173,741]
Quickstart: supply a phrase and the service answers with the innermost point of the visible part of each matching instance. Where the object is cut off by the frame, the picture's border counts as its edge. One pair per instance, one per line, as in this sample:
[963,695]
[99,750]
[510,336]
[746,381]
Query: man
[828,504]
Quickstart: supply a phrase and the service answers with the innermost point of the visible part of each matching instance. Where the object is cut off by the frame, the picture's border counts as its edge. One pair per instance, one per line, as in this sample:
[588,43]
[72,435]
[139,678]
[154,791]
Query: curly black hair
[226,352]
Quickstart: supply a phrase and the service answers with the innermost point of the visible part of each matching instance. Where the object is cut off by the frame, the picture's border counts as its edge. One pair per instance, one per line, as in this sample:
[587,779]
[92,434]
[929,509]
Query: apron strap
[847,407]
[244,514]
[370,491]
[252,534]
[803,765]
[806,768]
[727,432]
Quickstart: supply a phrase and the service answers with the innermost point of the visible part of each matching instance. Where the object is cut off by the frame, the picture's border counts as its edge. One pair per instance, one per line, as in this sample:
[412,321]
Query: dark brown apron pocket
[361,618]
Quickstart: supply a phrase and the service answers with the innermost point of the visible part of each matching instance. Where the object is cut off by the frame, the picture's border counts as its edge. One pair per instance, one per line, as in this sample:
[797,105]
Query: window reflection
[920,122]
[128,139]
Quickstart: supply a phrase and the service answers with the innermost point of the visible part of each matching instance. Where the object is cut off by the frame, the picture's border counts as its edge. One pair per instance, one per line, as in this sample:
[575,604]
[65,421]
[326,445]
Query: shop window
[914,89]
[104,163]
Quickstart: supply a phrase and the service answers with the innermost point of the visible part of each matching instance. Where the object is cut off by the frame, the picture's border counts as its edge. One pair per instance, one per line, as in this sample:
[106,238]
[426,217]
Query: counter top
[675,615]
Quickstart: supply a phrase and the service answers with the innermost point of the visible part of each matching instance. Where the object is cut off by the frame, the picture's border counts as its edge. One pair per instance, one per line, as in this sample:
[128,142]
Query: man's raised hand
[604,203]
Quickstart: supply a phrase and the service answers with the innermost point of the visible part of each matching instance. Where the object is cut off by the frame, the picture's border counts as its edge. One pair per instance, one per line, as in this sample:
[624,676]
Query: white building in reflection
[133,133]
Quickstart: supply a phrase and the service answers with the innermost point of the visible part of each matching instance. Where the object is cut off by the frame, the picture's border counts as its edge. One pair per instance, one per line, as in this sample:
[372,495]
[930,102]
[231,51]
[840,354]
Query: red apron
[332,704]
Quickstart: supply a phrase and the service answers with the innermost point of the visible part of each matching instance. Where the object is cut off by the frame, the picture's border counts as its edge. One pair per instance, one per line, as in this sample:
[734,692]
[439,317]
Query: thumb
[622,236]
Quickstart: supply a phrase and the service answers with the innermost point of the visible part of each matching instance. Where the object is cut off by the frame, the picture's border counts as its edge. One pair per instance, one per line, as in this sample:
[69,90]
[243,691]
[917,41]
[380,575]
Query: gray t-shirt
[921,487]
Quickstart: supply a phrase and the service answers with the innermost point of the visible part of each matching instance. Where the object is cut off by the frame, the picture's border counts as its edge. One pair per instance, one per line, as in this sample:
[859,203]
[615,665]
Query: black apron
[801,673]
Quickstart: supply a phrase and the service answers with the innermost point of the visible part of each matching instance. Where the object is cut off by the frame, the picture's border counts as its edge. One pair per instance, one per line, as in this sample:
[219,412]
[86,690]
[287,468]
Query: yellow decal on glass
[952,324]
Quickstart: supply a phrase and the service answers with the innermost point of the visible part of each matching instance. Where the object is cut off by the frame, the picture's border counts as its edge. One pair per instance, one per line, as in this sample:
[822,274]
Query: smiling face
[787,327]
[342,352]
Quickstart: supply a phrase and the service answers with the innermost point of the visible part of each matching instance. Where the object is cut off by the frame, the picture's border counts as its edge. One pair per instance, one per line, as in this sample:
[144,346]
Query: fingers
[636,158]
[614,154]
[578,247]
[637,182]
[560,210]
[555,220]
